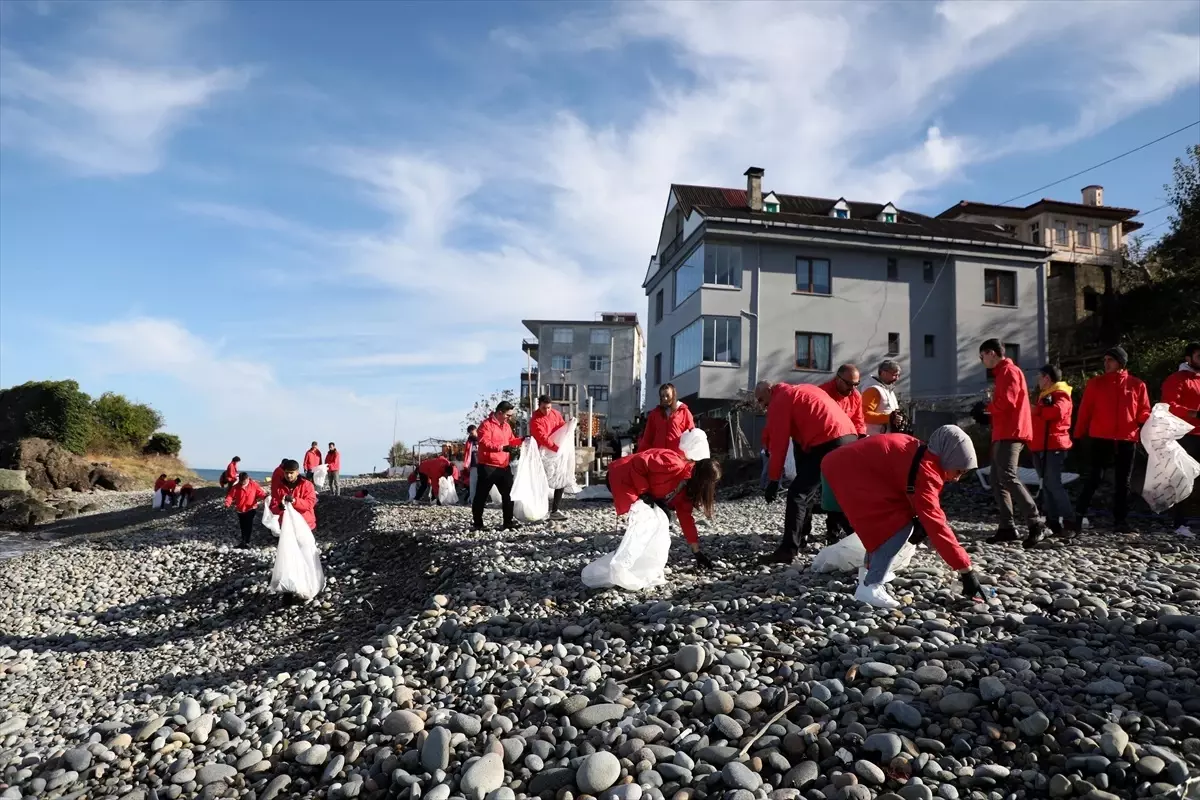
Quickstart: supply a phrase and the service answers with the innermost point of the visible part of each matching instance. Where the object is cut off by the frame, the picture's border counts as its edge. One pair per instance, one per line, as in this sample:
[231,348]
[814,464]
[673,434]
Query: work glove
[898,422]
[771,491]
[288,499]
[980,415]
[1047,401]
[703,561]
[971,588]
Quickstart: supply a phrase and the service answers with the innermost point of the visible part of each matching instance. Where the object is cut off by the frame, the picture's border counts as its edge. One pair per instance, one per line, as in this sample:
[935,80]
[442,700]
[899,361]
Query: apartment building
[1086,242]
[747,286]
[577,359]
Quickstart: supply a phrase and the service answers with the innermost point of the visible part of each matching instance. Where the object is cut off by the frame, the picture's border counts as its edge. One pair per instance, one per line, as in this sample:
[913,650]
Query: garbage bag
[694,444]
[789,464]
[297,559]
[494,496]
[640,559]
[1170,471]
[412,492]
[270,521]
[447,491]
[320,472]
[848,554]
[157,502]
[530,492]
[560,464]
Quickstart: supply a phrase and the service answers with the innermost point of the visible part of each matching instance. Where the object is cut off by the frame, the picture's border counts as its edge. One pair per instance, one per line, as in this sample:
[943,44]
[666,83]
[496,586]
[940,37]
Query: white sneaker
[875,595]
[1185,531]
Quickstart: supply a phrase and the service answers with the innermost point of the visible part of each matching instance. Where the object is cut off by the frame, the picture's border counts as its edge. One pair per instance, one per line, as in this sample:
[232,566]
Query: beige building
[1086,240]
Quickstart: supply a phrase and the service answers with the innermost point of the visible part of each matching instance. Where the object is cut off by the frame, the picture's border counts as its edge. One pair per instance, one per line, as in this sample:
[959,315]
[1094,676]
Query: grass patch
[145,469]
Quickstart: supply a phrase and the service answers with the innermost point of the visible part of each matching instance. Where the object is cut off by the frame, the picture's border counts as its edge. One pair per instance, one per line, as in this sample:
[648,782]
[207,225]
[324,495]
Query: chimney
[754,188]
[1093,195]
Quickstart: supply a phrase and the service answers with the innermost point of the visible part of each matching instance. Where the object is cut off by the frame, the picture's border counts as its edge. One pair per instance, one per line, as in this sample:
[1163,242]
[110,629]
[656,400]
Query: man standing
[1115,406]
[470,459]
[312,460]
[294,491]
[844,391]
[808,417]
[879,399]
[542,425]
[1181,391]
[243,497]
[333,462]
[667,422]
[1012,429]
[496,443]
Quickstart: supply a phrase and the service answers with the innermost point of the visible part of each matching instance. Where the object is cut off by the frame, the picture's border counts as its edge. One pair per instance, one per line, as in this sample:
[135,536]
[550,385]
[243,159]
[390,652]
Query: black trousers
[422,486]
[805,493]
[558,495]
[502,479]
[1191,446]
[246,521]
[1102,454]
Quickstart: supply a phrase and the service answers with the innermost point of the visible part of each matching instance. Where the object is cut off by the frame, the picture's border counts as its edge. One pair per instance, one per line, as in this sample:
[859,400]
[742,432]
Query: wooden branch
[746,748]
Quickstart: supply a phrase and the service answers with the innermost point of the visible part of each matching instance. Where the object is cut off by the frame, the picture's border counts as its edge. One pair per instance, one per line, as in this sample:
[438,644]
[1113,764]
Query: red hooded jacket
[850,403]
[869,478]
[1181,391]
[656,472]
[1011,420]
[231,473]
[494,435]
[312,459]
[244,498]
[1115,405]
[468,453]
[159,483]
[277,476]
[1052,423]
[304,500]
[662,431]
[333,460]
[542,426]
[805,414]
[434,469]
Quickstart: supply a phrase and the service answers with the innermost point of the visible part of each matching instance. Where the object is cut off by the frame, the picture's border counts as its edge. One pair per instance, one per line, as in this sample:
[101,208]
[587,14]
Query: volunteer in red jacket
[844,391]
[244,497]
[430,472]
[168,489]
[295,491]
[277,475]
[1115,405]
[1181,391]
[496,440]
[333,464]
[1050,445]
[229,477]
[1012,429]
[542,425]
[470,461]
[890,487]
[808,417]
[312,460]
[666,422]
[667,478]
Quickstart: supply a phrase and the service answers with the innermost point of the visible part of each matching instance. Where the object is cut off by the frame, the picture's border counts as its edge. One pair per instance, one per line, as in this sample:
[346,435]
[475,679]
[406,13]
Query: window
[812,275]
[893,344]
[688,277]
[814,351]
[723,340]
[841,213]
[893,269]
[687,347]
[598,363]
[598,392]
[889,217]
[560,362]
[1060,232]
[601,336]
[564,336]
[1104,242]
[927,271]
[930,349]
[722,264]
[658,369]
[1091,299]
[658,306]
[1010,229]
[1013,351]
[1083,237]
[999,287]
[1035,233]
[771,208]
[562,392]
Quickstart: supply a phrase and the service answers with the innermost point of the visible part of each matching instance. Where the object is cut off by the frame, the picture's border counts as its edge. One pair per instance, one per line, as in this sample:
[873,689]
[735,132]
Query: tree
[163,444]
[398,455]
[122,425]
[486,404]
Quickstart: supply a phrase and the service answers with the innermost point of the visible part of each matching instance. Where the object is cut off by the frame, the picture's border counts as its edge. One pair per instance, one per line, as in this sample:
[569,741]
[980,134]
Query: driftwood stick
[652,668]
[746,748]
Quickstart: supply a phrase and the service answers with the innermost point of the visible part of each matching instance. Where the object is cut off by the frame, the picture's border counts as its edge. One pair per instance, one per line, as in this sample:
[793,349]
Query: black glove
[980,415]
[1047,400]
[971,588]
[771,491]
[703,561]
[287,499]
[898,422]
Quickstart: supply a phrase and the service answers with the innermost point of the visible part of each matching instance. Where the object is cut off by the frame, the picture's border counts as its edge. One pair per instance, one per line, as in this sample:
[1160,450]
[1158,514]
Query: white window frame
[604,338]
[1062,234]
[559,338]
[556,363]
[1086,232]
[722,329]
[714,254]
[602,360]
[1104,237]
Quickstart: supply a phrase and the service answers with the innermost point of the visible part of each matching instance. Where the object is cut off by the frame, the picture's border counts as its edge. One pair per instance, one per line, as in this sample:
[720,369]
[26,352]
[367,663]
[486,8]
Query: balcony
[671,249]
[530,346]
[529,375]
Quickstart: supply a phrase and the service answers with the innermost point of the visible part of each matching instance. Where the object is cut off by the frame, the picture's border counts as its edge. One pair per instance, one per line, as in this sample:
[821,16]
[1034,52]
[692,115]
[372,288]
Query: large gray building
[747,286]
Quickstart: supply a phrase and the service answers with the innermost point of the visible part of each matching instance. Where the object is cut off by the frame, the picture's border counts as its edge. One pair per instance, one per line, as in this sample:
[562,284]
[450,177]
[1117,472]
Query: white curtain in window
[821,347]
[802,354]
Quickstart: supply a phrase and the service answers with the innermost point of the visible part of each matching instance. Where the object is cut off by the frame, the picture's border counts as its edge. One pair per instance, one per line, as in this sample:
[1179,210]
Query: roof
[534,325]
[1041,206]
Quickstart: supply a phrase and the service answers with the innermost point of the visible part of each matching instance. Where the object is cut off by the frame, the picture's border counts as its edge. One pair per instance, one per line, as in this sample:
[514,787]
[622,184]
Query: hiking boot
[557,516]
[1037,532]
[512,526]
[1070,529]
[1122,527]
[478,529]
[1055,527]
[1003,535]
[778,557]
[875,595]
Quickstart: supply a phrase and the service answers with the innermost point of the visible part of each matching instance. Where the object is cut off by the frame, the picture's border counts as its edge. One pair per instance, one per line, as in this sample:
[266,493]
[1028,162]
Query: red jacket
[244,498]
[664,431]
[277,476]
[850,403]
[159,483]
[231,473]
[1115,405]
[468,453]
[333,460]
[434,468]
[869,478]
[312,459]
[1181,391]
[803,413]
[542,426]
[656,472]
[1052,424]
[169,485]
[1011,420]
[304,500]
[494,435]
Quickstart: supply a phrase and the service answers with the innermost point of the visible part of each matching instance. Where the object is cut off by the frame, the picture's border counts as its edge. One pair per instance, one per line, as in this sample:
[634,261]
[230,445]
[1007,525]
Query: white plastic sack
[494,496]
[270,521]
[412,491]
[560,464]
[694,444]
[320,472]
[447,491]
[157,502]
[848,554]
[530,492]
[1170,471]
[640,559]
[789,464]
[297,559]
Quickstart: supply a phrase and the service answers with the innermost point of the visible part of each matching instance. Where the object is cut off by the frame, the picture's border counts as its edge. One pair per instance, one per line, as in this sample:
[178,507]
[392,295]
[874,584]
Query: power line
[1102,163]
[1151,211]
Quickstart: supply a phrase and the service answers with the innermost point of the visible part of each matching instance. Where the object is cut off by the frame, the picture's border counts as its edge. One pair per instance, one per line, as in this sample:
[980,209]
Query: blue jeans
[763,480]
[1055,503]
[880,560]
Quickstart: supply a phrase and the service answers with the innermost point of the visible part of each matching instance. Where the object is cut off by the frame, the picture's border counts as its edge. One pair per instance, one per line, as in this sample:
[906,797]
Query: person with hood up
[669,480]
[844,391]
[277,475]
[1115,406]
[666,422]
[879,399]
[244,497]
[312,460]
[890,486]
[230,476]
[809,418]
[295,491]
[333,464]
[430,472]
[542,425]
[496,444]
[1181,391]
[1050,445]
[470,461]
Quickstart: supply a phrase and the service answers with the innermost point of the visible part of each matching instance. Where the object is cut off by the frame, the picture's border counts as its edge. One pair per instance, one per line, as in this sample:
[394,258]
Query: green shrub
[122,425]
[163,444]
[54,410]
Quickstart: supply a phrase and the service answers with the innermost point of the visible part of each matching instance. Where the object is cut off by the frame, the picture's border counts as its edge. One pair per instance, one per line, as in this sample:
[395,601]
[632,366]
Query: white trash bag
[157,502]
[694,444]
[494,496]
[848,555]
[789,464]
[412,491]
[560,464]
[270,521]
[297,559]
[447,491]
[320,472]
[530,492]
[1170,471]
[640,559]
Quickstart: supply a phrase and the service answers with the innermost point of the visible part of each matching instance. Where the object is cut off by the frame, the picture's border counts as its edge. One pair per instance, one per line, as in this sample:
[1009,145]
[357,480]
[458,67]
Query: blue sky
[274,221]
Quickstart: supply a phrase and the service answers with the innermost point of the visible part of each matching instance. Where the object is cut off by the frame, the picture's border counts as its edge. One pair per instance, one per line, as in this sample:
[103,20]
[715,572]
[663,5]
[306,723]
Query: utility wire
[1151,211]
[1102,163]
